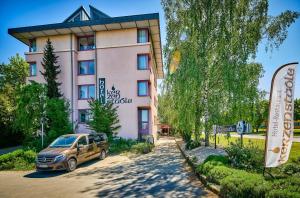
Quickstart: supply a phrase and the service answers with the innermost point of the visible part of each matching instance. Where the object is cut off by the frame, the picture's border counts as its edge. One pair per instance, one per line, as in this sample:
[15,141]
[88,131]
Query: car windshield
[63,141]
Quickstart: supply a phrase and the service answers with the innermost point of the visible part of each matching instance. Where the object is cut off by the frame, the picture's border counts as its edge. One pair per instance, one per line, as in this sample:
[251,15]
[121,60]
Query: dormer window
[76,18]
[32,45]
[86,43]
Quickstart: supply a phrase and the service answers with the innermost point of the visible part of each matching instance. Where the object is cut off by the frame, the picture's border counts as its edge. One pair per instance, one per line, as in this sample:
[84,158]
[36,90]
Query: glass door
[143,119]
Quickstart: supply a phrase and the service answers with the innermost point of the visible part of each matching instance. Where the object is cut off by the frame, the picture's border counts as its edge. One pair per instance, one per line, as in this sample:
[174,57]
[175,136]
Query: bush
[218,173]
[249,158]
[217,158]
[18,160]
[118,145]
[282,193]
[34,143]
[290,182]
[237,183]
[291,169]
[242,184]
[210,162]
[191,144]
[142,148]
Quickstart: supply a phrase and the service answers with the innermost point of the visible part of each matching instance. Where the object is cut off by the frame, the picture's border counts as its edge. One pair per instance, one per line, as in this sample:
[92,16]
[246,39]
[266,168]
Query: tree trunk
[197,121]
[206,114]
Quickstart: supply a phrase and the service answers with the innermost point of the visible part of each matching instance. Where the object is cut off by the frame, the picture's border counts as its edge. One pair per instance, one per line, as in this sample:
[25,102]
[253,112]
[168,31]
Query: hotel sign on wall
[113,95]
[102,95]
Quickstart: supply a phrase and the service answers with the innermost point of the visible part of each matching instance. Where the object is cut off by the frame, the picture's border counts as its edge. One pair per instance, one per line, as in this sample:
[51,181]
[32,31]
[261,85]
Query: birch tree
[216,81]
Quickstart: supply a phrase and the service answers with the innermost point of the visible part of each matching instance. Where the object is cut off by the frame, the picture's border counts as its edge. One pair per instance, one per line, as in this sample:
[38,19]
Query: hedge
[18,160]
[244,185]
[236,183]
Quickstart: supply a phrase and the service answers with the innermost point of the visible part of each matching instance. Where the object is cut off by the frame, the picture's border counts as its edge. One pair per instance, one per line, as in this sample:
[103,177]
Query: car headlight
[59,158]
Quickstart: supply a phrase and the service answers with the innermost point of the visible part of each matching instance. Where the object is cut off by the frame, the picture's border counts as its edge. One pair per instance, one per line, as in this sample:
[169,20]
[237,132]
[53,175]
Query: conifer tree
[51,71]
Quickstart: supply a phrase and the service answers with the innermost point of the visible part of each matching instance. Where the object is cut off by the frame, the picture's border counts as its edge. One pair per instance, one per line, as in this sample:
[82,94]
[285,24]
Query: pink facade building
[116,59]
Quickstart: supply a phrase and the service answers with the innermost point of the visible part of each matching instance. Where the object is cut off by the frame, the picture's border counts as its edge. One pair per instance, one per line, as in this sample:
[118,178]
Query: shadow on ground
[158,174]
[48,174]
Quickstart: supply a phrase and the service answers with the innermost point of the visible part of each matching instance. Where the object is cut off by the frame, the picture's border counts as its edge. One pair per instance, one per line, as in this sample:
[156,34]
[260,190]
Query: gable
[79,15]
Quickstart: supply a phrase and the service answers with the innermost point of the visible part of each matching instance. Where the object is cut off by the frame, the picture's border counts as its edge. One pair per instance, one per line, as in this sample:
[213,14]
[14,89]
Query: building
[116,59]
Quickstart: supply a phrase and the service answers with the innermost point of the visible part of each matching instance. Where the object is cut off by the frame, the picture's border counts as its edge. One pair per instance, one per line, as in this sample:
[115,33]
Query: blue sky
[16,13]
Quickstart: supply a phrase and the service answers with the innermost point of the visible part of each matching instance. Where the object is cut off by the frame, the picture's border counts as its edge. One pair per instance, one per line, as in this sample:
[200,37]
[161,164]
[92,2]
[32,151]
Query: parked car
[68,151]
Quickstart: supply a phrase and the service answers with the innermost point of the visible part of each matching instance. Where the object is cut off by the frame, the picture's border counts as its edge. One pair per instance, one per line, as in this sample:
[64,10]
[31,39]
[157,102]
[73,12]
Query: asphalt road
[162,173]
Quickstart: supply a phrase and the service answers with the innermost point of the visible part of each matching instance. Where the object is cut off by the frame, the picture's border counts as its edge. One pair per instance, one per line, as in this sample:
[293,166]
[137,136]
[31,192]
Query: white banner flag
[279,135]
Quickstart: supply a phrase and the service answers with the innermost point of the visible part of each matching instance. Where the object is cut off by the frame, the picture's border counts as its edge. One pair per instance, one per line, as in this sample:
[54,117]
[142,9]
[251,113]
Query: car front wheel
[71,165]
[102,155]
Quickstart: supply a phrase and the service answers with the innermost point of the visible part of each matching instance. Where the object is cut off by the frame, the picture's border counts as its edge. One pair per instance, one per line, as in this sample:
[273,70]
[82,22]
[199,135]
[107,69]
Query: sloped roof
[102,22]
[97,14]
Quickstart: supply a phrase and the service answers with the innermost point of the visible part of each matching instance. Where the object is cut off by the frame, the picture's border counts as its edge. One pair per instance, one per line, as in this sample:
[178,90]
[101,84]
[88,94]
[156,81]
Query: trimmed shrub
[291,183]
[282,188]
[242,184]
[237,183]
[142,148]
[218,173]
[210,162]
[18,160]
[282,193]
[217,158]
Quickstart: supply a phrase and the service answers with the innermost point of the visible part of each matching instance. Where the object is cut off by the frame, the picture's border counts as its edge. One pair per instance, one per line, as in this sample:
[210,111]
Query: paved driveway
[162,173]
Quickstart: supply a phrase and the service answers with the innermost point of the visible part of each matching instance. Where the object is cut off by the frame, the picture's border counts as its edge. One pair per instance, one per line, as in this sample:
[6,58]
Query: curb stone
[212,187]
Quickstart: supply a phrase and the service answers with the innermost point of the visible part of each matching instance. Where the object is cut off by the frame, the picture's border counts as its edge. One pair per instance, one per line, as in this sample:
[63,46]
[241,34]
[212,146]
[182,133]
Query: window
[97,138]
[86,43]
[143,115]
[92,138]
[142,36]
[86,91]
[143,61]
[86,67]
[84,115]
[63,141]
[76,18]
[143,88]
[32,69]
[32,45]
[82,141]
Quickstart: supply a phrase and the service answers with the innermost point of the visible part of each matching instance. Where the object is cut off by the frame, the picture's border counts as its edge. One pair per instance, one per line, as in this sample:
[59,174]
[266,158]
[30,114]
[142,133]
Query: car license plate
[43,165]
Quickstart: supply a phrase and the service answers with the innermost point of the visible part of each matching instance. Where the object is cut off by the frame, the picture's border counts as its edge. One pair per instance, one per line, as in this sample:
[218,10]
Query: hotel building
[116,59]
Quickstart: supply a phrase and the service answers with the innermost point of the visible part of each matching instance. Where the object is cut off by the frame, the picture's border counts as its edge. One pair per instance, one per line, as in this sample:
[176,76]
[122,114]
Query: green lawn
[223,142]
[263,131]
